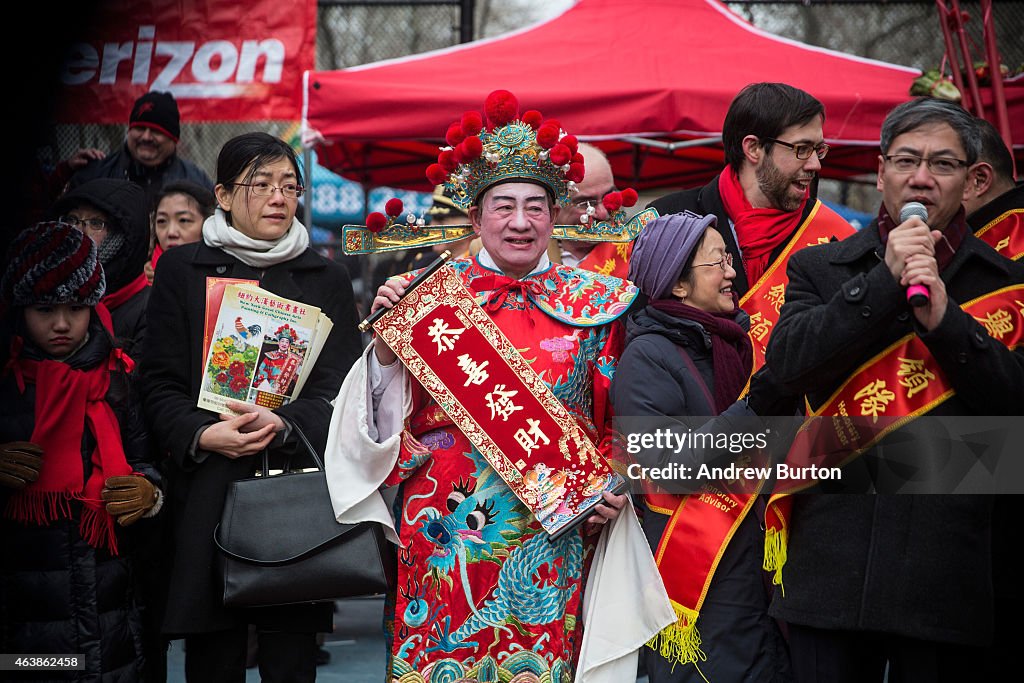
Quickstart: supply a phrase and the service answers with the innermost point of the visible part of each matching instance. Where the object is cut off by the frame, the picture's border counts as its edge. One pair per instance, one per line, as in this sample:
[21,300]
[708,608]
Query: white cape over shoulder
[624,602]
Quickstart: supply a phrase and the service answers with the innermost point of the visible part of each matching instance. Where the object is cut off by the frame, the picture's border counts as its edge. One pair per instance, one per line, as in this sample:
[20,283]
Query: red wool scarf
[759,231]
[68,400]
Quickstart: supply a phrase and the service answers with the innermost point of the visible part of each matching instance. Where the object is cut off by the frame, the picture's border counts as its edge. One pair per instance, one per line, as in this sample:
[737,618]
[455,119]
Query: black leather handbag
[280,543]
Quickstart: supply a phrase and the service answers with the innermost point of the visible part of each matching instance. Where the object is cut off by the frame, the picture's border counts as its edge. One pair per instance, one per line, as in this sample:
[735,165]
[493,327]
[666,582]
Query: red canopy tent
[648,80]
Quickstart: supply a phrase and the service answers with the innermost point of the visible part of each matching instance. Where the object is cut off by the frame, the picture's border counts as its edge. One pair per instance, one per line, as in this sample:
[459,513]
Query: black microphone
[917,295]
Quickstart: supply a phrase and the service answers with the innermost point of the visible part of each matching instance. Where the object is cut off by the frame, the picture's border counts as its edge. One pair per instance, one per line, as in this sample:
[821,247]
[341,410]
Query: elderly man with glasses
[898,582]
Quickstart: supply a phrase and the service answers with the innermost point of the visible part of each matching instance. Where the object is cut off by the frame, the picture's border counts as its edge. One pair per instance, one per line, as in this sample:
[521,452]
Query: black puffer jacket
[654,381]
[125,203]
[58,594]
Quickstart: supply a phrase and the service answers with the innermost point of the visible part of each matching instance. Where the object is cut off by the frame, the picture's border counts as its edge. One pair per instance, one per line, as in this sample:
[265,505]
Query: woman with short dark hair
[254,235]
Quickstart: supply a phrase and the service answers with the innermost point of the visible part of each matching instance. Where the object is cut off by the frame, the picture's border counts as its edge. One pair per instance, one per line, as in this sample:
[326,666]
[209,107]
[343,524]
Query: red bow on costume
[500,287]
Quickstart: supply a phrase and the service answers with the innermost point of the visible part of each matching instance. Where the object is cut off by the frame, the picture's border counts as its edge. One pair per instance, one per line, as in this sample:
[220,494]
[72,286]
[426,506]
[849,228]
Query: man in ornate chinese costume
[483,593]
[898,580]
[279,369]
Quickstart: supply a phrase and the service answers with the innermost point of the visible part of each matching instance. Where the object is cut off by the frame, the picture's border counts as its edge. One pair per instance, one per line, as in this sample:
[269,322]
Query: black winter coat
[58,594]
[120,165]
[651,379]
[125,203]
[916,566]
[172,371]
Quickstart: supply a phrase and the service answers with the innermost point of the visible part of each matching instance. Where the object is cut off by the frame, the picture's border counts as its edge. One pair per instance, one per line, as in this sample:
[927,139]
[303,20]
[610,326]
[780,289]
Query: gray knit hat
[52,263]
[663,248]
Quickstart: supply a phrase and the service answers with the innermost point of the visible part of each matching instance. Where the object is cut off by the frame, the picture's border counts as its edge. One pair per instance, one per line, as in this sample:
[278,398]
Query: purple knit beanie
[662,249]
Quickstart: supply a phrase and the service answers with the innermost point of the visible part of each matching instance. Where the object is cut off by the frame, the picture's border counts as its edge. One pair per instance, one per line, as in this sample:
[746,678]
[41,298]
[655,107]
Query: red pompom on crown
[472,123]
[575,172]
[376,221]
[612,201]
[571,142]
[471,148]
[447,161]
[501,107]
[533,119]
[629,197]
[394,207]
[436,174]
[547,136]
[560,154]
[454,135]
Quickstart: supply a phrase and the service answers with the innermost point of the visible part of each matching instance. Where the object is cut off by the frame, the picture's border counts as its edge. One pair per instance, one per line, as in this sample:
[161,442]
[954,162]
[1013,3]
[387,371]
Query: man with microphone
[903,581]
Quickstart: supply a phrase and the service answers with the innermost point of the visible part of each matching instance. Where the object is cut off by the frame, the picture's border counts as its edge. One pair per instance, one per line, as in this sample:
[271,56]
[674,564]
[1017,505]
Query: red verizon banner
[222,60]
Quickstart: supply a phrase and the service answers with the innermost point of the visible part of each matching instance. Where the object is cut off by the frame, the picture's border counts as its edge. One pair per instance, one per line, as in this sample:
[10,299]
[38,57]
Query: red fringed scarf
[115,299]
[67,400]
[759,231]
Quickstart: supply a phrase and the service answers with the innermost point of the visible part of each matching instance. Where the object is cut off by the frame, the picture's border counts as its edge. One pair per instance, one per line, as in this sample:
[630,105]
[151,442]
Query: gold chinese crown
[475,158]
[508,147]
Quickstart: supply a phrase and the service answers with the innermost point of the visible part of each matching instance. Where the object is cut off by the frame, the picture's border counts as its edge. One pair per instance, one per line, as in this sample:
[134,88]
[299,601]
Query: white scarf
[252,252]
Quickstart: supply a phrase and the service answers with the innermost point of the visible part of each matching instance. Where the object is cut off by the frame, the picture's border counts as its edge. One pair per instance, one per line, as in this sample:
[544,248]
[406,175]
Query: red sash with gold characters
[764,299]
[899,384]
[1005,234]
[454,349]
[702,525]
[608,258]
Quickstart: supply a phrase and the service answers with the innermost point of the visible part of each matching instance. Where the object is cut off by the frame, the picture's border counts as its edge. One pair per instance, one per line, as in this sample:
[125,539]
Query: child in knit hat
[75,465]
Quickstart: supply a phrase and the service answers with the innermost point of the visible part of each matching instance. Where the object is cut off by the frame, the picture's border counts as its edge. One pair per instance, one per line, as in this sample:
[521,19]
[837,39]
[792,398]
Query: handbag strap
[304,440]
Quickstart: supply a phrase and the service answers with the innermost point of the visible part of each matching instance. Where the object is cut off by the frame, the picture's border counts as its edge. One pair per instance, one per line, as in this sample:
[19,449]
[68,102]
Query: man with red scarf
[763,199]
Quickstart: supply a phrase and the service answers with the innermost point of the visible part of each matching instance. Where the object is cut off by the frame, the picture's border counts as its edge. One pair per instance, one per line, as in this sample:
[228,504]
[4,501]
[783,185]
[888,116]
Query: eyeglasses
[290,190]
[803,150]
[726,262]
[908,163]
[90,224]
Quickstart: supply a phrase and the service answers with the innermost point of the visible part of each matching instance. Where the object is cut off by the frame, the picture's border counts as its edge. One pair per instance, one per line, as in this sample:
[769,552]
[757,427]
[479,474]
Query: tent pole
[307,206]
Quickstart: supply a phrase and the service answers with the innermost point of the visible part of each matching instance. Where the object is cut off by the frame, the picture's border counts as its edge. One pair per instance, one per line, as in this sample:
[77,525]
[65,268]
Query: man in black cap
[150,153]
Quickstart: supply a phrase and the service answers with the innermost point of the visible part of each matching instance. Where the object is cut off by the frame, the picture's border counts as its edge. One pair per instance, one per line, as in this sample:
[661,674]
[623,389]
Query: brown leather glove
[129,498]
[20,462]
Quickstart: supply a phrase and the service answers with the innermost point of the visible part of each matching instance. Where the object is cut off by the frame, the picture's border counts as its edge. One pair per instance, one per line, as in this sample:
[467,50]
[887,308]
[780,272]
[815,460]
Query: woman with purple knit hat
[688,354]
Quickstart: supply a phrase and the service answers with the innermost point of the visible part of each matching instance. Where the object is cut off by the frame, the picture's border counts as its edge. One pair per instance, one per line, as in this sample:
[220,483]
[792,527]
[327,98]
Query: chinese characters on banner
[222,60]
[489,390]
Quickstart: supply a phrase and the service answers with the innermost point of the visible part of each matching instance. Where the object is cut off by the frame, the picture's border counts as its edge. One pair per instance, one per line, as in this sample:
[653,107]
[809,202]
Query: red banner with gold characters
[901,383]
[1005,234]
[764,299]
[222,60]
[454,349]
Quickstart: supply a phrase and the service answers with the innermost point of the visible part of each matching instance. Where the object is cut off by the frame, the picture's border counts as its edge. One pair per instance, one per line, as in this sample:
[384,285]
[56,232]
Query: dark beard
[775,186]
